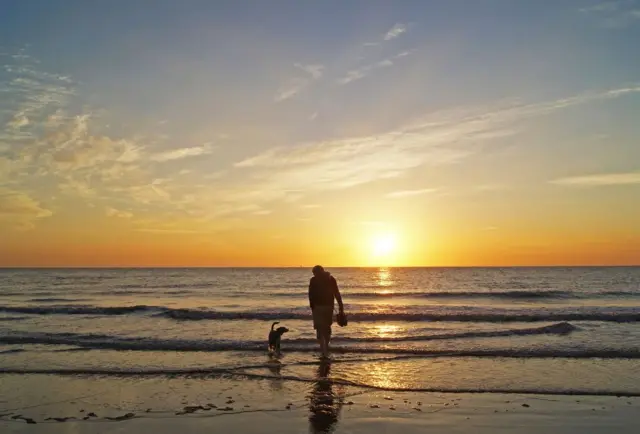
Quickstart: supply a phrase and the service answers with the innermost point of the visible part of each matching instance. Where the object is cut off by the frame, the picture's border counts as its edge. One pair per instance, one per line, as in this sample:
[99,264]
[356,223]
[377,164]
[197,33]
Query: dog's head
[281,330]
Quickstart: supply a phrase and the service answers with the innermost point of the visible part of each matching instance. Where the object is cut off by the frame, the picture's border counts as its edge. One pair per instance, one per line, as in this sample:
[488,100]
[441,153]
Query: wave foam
[389,313]
[108,342]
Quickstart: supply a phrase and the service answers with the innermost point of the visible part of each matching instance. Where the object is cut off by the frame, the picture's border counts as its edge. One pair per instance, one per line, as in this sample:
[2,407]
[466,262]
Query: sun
[383,245]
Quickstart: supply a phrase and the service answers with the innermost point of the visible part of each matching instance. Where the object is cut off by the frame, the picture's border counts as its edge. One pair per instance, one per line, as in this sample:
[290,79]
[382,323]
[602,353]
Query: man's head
[317,270]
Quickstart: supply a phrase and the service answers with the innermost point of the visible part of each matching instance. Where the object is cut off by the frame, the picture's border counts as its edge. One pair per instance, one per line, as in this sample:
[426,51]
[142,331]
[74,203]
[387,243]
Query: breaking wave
[110,342]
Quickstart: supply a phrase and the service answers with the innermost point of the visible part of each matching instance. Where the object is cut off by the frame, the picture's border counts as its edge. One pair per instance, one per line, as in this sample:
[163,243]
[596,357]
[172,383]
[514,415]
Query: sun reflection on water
[384,279]
[385,330]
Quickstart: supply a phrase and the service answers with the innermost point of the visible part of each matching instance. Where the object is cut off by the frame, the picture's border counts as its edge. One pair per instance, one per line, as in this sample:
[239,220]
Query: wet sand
[55,404]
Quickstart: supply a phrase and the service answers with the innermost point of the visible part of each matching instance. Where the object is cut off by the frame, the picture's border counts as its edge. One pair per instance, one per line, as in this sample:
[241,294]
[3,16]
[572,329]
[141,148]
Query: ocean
[513,330]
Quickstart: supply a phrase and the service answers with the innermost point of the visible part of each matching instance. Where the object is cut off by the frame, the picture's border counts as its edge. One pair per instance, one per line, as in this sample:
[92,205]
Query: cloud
[362,72]
[59,149]
[20,204]
[76,149]
[410,193]
[314,70]
[395,31]
[602,179]
[30,96]
[295,85]
[311,206]
[404,53]
[19,120]
[177,154]
[602,7]
[353,75]
[76,187]
[64,152]
[19,210]
[291,89]
[614,14]
[439,138]
[112,212]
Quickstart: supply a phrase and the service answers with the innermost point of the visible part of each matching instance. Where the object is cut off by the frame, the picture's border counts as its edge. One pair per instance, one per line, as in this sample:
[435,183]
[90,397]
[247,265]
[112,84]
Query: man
[323,290]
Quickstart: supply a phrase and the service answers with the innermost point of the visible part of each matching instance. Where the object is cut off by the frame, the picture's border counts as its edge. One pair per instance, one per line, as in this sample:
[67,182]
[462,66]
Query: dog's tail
[277,322]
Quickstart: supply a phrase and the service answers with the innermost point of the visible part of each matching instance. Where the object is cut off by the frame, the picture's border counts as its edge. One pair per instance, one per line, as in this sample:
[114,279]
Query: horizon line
[174,267]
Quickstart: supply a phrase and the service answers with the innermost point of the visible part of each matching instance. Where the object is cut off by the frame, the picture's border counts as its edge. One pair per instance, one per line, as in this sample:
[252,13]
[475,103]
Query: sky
[345,133]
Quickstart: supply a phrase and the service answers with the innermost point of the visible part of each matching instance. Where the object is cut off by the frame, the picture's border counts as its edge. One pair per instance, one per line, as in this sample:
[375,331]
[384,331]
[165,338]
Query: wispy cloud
[614,14]
[439,138]
[19,120]
[30,96]
[177,154]
[395,31]
[61,151]
[608,6]
[294,86]
[314,70]
[112,212]
[67,152]
[363,71]
[601,179]
[20,210]
[410,193]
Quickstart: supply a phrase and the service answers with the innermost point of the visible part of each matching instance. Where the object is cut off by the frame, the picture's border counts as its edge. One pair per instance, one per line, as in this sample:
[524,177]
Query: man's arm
[310,294]
[337,294]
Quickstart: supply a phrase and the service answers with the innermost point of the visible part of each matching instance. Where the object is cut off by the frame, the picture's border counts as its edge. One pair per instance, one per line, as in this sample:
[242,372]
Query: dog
[275,336]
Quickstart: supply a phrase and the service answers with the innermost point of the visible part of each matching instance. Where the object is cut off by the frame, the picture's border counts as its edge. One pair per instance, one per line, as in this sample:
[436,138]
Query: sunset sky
[286,133]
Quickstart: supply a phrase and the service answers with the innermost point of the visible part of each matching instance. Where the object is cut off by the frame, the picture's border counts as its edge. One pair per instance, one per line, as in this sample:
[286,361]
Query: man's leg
[324,341]
[320,337]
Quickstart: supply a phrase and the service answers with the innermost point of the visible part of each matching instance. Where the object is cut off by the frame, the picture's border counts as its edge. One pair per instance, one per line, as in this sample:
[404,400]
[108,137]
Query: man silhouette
[323,290]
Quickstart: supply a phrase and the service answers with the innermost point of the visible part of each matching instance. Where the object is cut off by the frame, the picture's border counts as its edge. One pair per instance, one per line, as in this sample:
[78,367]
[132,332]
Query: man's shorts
[322,319]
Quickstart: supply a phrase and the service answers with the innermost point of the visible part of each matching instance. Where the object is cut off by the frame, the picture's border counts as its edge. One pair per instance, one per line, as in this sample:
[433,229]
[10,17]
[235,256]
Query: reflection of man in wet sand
[324,404]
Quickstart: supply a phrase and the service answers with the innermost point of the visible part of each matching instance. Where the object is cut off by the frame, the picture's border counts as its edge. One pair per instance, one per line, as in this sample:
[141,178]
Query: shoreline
[55,404]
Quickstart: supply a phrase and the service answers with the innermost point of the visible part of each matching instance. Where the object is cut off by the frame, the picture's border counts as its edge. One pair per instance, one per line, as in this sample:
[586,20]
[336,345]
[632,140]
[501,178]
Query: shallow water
[549,329]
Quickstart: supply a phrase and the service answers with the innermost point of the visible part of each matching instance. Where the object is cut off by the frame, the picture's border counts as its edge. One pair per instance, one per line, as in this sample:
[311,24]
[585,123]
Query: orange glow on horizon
[339,245]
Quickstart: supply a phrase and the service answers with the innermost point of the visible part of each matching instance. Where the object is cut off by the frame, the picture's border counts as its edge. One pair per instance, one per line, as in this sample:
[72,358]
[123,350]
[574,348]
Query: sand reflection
[324,404]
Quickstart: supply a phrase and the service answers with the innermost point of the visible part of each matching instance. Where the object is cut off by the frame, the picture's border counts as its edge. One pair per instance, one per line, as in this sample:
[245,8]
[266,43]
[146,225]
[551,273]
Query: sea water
[530,330]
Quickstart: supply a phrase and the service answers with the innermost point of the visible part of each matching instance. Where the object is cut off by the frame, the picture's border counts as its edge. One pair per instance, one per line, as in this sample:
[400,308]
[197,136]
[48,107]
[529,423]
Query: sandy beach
[58,404]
